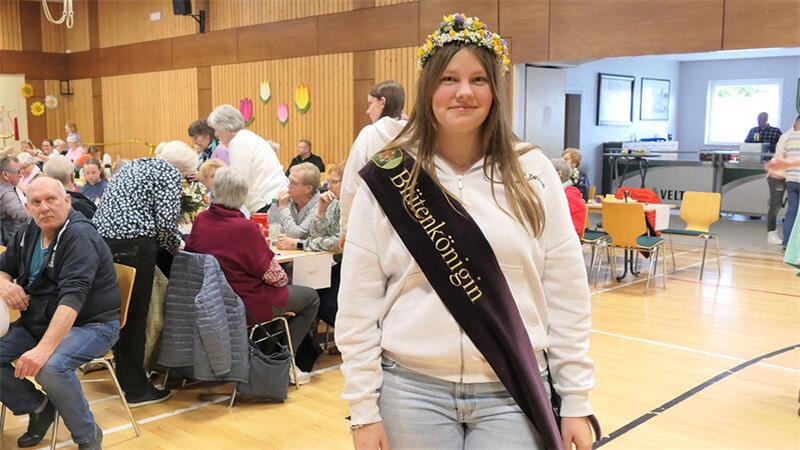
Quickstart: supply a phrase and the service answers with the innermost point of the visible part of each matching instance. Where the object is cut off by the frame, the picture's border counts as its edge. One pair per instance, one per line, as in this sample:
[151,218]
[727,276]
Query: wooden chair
[699,210]
[592,192]
[625,224]
[125,277]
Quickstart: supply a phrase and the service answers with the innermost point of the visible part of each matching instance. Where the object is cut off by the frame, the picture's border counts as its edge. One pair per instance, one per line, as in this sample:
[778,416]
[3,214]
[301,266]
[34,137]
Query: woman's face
[200,142]
[91,173]
[463,99]
[566,157]
[25,147]
[335,183]
[208,181]
[25,170]
[224,136]
[375,107]
[47,147]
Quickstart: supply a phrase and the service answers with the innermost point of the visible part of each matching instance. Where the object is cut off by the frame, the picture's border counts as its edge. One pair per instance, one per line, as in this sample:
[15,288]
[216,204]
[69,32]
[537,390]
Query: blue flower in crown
[470,30]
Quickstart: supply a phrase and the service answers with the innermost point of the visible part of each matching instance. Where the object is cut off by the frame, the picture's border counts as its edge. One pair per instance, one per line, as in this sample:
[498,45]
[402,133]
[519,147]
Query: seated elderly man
[247,261]
[298,205]
[66,291]
[61,169]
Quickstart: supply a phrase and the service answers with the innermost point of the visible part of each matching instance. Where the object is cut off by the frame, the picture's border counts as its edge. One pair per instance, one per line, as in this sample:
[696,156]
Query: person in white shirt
[788,148]
[406,357]
[385,109]
[251,155]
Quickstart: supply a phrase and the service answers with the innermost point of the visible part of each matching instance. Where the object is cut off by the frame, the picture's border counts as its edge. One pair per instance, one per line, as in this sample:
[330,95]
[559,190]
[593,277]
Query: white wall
[12,99]
[582,80]
[692,96]
[545,103]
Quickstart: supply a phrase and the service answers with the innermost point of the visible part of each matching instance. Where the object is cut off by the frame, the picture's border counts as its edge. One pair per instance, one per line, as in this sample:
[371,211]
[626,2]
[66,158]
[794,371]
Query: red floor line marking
[734,287]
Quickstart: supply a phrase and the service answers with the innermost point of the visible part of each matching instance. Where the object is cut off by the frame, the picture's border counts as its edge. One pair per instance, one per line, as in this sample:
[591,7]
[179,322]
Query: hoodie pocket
[523,297]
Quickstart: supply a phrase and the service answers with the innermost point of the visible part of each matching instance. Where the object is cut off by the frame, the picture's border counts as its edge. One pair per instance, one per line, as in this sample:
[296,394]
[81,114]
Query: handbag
[269,367]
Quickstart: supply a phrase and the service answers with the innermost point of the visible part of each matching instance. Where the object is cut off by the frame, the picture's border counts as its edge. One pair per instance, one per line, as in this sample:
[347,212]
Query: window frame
[738,82]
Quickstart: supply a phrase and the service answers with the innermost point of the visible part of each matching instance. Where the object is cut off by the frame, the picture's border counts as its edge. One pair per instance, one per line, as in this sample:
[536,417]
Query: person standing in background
[777,185]
[788,147]
[304,155]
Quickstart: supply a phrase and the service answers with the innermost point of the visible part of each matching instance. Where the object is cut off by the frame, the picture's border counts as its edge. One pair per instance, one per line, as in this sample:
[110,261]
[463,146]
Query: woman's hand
[287,243]
[370,437]
[325,200]
[578,431]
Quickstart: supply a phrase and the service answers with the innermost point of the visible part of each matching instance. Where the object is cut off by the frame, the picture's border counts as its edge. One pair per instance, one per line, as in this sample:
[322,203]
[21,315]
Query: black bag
[269,368]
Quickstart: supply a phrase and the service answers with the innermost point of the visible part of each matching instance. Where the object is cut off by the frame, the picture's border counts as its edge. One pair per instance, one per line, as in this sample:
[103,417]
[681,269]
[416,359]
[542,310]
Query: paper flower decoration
[51,102]
[26,90]
[246,108]
[37,109]
[264,93]
[301,98]
[283,113]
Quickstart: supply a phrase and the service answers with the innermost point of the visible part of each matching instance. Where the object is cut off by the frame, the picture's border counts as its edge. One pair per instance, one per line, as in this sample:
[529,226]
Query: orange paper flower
[27,90]
[37,109]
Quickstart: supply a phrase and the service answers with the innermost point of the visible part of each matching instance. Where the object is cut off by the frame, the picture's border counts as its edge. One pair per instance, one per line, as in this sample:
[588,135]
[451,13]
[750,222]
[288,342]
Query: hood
[388,128]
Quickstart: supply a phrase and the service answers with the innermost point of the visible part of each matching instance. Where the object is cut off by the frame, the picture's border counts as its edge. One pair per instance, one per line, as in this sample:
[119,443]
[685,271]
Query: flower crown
[469,30]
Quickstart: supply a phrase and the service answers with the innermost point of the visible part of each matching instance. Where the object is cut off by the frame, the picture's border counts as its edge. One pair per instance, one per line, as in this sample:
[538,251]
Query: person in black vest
[66,290]
[304,155]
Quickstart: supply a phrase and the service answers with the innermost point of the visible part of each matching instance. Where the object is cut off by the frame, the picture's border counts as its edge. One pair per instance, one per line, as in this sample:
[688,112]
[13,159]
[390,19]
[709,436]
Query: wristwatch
[299,245]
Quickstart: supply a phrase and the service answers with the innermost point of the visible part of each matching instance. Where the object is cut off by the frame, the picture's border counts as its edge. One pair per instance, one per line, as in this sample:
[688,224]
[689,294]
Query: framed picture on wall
[655,99]
[615,99]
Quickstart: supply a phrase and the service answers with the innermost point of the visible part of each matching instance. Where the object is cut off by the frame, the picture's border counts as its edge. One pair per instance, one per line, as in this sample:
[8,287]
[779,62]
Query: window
[733,105]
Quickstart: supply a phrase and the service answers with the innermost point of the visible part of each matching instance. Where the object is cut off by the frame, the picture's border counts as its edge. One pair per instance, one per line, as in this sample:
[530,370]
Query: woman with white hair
[138,218]
[28,170]
[251,155]
[247,261]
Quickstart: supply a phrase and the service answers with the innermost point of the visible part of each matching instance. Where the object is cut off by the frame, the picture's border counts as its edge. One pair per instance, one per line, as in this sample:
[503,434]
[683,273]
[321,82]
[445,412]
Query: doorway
[572,121]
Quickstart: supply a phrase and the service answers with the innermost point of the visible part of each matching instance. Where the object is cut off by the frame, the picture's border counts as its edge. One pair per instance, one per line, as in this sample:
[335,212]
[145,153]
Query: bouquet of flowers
[194,199]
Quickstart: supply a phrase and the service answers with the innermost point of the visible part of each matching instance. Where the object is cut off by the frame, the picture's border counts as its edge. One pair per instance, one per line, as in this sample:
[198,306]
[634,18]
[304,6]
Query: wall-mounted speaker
[182,7]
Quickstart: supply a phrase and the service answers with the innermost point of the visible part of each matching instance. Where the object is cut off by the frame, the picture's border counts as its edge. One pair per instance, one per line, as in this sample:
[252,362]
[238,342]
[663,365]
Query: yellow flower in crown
[468,30]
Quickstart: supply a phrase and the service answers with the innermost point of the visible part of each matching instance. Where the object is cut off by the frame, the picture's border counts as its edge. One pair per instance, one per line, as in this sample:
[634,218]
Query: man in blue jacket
[59,273]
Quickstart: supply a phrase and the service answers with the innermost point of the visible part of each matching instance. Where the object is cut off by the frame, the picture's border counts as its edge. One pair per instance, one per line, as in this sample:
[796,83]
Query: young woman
[95,180]
[461,268]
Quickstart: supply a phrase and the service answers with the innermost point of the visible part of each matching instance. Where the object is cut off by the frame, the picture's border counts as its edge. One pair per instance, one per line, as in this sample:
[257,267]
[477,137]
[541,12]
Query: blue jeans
[57,377]
[792,200]
[419,411]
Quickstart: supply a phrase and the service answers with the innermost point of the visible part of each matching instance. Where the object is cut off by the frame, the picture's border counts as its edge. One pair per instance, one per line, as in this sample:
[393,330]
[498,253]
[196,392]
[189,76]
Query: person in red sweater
[577,206]
[247,261]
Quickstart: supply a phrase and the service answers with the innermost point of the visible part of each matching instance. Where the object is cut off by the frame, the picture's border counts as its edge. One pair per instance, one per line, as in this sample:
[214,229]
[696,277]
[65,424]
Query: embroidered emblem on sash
[388,159]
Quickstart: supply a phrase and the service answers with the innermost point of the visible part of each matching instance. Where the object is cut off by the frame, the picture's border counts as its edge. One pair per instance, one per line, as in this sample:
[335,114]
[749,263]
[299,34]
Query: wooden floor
[648,350]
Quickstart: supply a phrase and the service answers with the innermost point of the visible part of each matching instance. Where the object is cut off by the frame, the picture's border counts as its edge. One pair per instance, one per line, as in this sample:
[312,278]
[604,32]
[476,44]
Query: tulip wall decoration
[283,113]
[264,92]
[302,100]
[246,108]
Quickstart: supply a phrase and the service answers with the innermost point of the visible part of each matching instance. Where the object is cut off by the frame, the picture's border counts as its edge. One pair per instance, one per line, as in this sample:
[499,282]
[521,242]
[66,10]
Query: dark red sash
[459,263]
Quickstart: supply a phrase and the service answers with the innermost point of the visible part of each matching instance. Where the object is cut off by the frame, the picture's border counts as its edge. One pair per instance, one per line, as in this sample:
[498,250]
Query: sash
[460,264]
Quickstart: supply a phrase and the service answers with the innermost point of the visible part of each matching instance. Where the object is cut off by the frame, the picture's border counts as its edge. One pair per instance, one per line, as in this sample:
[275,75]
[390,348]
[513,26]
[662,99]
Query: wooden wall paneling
[392,2]
[369,29]
[30,22]
[363,80]
[361,4]
[239,13]
[204,97]
[35,65]
[93,17]
[10,30]
[149,56]
[122,23]
[277,40]
[590,29]
[152,107]
[95,63]
[399,64]
[77,108]
[37,126]
[59,39]
[528,22]
[204,49]
[328,124]
[97,109]
[761,23]
[431,12]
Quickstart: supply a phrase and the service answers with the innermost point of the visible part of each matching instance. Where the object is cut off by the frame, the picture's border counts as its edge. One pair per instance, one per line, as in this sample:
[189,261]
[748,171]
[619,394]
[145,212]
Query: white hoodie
[370,140]
[387,307]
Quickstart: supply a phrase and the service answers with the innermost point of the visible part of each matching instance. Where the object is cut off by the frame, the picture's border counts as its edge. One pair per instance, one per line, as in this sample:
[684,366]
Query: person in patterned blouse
[138,218]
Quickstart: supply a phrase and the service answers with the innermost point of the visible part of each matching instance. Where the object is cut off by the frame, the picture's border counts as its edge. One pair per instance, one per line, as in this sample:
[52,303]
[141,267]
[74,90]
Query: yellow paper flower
[37,109]
[27,90]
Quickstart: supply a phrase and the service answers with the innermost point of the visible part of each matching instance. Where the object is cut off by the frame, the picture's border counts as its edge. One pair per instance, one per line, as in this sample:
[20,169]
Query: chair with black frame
[625,224]
[125,277]
[595,238]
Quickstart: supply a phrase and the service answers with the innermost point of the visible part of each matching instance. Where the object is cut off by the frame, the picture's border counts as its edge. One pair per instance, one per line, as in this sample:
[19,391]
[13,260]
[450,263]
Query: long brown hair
[500,146]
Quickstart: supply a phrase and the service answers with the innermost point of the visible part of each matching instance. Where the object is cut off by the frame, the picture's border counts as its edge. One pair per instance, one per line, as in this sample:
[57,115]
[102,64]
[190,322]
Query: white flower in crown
[458,27]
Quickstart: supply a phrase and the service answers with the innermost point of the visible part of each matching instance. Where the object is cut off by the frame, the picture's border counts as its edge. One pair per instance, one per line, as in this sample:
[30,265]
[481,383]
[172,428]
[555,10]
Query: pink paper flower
[246,108]
[283,113]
